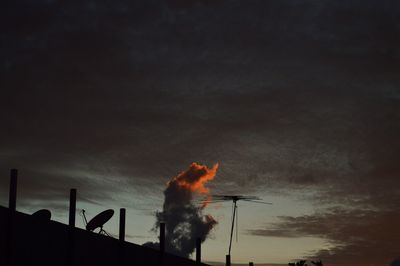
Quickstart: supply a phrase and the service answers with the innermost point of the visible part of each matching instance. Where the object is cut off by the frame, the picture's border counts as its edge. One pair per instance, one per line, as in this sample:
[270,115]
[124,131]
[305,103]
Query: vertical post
[71,228]
[12,201]
[228,260]
[72,207]
[12,204]
[122,214]
[251,264]
[162,238]
[198,251]
[121,246]
[162,244]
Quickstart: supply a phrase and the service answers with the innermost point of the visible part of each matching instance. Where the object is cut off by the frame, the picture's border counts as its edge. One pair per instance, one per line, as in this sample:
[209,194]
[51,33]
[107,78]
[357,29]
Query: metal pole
[122,214]
[162,244]
[233,225]
[198,250]
[71,228]
[72,207]
[162,238]
[121,245]
[12,202]
[228,260]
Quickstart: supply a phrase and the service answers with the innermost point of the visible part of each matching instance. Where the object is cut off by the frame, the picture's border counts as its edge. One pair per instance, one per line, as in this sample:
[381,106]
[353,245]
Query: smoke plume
[185,220]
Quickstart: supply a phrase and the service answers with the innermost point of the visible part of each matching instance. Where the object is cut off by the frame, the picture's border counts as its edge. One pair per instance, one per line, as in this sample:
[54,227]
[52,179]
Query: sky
[298,102]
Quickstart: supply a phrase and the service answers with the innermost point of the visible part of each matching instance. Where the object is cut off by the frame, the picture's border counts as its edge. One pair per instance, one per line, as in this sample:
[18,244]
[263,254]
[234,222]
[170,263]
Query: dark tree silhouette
[299,263]
[317,263]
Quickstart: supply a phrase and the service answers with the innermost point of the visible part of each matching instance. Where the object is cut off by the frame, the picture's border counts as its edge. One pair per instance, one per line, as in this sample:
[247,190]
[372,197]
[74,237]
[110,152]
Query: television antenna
[98,221]
[234,199]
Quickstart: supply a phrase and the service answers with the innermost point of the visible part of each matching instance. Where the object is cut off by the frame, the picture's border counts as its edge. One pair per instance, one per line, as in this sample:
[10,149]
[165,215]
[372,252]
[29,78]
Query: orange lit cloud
[196,177]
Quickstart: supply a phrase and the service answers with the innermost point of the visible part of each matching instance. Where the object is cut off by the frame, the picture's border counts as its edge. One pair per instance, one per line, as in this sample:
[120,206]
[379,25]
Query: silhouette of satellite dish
[99,220]
[42,215]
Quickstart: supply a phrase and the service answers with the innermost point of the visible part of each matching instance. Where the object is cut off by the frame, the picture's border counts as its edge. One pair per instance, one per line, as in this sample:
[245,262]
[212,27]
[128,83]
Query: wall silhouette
[27,240]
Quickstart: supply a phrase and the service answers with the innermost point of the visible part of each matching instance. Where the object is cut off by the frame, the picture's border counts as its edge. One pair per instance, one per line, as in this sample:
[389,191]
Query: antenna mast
[233,224]
[234,199]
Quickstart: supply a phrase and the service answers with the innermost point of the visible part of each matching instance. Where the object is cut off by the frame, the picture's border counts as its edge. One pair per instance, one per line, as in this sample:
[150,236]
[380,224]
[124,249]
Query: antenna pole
[237,223]
[228,260]
[233,225]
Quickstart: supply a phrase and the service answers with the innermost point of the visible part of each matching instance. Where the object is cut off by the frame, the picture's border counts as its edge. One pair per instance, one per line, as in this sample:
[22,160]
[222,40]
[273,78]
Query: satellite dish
[99,220]
[42,215]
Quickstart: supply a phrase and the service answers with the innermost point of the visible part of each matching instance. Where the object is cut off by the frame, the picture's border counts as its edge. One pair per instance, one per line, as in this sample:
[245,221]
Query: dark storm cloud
[286,95]
[106,76]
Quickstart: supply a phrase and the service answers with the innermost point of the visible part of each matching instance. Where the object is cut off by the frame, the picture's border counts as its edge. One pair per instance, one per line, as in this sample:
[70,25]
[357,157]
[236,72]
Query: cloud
[288,96]
[356,236]
[185,222]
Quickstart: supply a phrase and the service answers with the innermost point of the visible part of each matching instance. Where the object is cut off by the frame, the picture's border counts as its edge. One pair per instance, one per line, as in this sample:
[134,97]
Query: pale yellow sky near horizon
[252,216]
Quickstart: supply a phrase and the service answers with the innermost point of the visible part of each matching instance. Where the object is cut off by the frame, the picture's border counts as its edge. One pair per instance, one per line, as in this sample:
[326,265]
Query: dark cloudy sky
[299,102]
